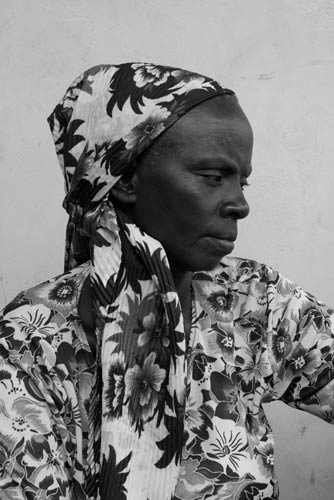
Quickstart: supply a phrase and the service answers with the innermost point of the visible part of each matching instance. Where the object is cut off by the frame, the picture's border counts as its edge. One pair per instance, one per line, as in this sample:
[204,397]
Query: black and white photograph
[167,250]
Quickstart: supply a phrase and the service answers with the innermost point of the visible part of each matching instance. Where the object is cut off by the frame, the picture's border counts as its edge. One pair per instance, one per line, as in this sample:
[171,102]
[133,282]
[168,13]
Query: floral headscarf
[109,116]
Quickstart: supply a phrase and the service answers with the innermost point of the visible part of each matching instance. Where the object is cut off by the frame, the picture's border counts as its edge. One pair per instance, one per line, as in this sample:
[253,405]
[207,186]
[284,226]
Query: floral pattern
[107,118]
[131,409]
[233,366]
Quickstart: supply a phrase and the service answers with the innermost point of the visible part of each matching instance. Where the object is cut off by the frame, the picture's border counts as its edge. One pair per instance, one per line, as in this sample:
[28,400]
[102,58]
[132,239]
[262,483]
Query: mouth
[225,237]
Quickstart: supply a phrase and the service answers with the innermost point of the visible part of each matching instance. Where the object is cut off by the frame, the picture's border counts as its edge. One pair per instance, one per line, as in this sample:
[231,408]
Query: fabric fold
[108,117]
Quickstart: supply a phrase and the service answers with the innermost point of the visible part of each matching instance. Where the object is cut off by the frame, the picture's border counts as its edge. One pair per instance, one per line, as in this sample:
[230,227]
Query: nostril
[237,210]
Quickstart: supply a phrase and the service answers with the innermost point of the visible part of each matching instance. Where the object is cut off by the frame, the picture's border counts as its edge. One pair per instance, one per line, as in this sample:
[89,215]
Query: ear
[124,191]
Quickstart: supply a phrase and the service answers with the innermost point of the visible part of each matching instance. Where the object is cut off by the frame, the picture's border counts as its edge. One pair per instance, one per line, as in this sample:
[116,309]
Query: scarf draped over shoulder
[107,118]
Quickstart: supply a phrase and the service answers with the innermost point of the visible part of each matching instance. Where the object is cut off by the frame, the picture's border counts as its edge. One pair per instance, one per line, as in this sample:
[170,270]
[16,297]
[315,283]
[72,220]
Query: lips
[225,237]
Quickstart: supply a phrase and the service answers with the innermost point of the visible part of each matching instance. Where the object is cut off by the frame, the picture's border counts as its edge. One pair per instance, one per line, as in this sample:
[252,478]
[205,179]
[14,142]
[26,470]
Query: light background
[279,58]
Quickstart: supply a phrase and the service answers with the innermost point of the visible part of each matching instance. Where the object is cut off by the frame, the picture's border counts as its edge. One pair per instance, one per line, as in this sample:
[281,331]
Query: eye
[212,178]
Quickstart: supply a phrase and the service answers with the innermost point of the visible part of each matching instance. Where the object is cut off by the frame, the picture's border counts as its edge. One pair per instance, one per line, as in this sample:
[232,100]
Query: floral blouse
[255,337]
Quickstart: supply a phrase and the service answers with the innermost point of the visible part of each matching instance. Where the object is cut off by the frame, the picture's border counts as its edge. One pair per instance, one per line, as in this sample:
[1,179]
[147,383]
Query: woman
[140,373]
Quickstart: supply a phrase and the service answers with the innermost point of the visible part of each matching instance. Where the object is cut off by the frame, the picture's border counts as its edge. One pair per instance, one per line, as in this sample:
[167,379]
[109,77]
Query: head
[187,190]
[170,148]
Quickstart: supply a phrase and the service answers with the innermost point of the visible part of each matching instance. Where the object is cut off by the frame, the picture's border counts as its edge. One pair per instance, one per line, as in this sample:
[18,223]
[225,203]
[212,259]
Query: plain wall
[279,58]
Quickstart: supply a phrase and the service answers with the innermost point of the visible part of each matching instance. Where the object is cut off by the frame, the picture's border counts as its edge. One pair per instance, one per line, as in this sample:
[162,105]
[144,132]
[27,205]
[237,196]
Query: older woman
[140,373]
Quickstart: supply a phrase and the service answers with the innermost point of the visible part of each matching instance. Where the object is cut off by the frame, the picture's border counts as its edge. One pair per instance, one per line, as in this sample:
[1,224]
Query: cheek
[174,209]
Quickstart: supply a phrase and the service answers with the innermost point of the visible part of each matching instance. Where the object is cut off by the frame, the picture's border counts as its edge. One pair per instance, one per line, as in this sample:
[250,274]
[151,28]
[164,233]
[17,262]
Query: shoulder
[232,270]
[43,310]
[260,283]
[40,352]
[257,288]
[60,293]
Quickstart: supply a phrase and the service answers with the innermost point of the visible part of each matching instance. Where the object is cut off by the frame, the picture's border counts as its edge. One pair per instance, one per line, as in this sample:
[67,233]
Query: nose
[235,206]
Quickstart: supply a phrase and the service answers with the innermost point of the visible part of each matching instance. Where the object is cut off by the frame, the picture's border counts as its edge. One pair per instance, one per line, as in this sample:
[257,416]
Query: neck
[182,282]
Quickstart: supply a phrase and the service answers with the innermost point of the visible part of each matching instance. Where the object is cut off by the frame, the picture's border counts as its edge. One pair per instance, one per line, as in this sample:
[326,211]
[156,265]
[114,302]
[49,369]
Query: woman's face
[190,186]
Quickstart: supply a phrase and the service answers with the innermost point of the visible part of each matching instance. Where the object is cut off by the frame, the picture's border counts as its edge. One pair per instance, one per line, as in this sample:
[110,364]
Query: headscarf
[107,118]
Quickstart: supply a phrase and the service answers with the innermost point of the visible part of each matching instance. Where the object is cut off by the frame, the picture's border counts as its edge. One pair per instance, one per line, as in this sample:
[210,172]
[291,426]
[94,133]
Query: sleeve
[34,446]
[301,349]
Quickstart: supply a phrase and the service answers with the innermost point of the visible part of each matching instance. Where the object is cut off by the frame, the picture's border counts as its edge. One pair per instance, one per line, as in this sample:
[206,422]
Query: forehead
[216,129]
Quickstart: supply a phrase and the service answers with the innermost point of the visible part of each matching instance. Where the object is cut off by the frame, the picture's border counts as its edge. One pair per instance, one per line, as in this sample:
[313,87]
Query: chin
[205,264]
[195,263]
[209,267]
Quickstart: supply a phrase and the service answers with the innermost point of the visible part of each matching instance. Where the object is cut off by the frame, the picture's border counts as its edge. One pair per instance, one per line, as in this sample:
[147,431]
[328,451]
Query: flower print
[5,375]
[306,355]
[6,329]
[198,418]
[147,130]
[318,402]
[257,300]
[284,288]
[186,82]
[28,418]
[200,365]
[265,458]
[155,337]
[27,361]
[59,295]
[11,332]
[226,445]
[187,76]
[7,453]
[72,93]
[218,303]
[279,343]
[245,489]
[146,74]
[249,371]
[222,304]
[142,386]
[300,301]
[192,484]
[249,332]
[317,320]
[33,321]
[268,275]
[226,393]
[221,342]
[304,360]
[113,474]
[25,419]
[64,292]
[56,493]
[62,336]
[46,459]
[115,389]
[246,270]
[299,293]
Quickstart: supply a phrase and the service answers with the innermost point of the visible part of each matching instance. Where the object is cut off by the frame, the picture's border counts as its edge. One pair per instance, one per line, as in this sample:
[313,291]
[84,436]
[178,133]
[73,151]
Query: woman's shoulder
[236,269]
[60,293]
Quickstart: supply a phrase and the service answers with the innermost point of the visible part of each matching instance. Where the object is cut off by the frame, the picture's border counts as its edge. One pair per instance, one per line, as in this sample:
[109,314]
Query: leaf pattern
[138,412]
[115,475]
[226,447]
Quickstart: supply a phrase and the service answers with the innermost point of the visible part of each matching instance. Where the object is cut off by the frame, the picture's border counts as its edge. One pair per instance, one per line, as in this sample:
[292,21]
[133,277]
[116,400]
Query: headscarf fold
[107,118]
